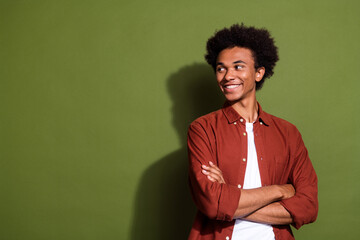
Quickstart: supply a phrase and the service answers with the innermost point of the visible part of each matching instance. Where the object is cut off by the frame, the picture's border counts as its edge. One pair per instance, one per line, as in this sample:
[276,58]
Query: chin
[233,98]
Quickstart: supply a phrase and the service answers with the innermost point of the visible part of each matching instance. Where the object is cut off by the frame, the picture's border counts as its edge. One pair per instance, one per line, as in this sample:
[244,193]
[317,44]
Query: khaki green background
[96,96]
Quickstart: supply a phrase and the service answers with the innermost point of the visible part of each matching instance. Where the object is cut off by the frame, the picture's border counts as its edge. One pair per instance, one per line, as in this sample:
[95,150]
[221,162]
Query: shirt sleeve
[303,206]
[215,200]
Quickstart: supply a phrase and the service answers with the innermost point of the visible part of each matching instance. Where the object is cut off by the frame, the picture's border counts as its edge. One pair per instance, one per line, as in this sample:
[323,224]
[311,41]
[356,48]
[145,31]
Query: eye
[238,67]
[220,69]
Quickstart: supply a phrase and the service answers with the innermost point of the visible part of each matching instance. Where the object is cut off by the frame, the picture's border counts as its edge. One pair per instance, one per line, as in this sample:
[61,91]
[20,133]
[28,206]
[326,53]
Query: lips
[232,86]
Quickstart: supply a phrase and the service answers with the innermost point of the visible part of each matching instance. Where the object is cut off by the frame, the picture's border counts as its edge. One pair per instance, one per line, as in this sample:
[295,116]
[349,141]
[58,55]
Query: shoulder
[282,124]
[208,119]
[208,123]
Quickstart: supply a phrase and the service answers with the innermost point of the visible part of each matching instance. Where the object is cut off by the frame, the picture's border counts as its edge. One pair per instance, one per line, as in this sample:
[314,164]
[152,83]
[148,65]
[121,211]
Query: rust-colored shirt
[220,137]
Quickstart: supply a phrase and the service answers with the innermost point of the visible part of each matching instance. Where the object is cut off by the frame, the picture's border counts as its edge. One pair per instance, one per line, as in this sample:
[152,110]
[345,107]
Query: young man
[250,173]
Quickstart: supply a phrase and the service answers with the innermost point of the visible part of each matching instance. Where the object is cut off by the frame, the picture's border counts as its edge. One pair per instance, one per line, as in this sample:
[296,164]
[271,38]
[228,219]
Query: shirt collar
[233,116]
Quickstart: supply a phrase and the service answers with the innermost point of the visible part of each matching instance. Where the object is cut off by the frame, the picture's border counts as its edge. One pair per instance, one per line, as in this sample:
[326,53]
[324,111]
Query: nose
[229,75]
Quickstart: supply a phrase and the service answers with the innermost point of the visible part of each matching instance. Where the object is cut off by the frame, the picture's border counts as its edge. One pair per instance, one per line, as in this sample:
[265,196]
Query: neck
[247,108]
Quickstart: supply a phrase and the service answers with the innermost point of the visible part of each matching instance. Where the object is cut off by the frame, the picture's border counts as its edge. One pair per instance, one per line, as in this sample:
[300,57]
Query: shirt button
[241,120]
[261,123]
[227,238]
[244,159]
[260,158]
[244,134]
[239,186]
[234,123]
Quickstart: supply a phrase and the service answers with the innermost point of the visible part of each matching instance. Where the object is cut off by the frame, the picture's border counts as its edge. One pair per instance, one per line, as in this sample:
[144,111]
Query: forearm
[274,214]
[254,199]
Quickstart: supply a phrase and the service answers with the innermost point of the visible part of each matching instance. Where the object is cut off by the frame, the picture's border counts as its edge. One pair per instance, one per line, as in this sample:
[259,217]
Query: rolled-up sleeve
[215,200]
[303,206]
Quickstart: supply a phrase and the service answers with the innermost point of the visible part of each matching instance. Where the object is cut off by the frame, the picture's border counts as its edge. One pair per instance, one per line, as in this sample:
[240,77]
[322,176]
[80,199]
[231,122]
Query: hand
[287,191]
[213,173]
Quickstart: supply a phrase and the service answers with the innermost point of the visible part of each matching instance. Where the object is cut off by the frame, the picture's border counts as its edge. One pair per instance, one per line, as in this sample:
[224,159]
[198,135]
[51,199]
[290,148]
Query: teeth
[232,86]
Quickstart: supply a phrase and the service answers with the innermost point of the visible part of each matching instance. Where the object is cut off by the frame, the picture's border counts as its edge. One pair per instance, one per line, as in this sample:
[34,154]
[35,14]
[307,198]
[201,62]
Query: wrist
[279,192]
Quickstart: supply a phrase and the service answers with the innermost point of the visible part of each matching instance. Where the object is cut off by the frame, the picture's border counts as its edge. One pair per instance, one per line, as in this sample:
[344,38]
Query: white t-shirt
[246,230]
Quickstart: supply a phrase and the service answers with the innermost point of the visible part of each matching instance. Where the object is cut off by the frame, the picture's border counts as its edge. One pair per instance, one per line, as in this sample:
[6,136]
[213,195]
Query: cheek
[250,78]
[244,74]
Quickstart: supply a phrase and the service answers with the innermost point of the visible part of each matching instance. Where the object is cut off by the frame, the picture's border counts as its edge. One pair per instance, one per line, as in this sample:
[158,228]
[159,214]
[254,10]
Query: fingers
[213,173]
[212,168]
[211,179]
[211,176]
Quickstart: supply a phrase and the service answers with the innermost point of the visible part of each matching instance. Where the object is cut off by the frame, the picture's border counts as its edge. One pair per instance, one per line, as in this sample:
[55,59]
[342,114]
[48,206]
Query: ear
[259,74]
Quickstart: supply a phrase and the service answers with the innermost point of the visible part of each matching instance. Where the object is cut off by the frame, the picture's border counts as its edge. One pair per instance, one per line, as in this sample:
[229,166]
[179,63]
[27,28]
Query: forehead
[230,55]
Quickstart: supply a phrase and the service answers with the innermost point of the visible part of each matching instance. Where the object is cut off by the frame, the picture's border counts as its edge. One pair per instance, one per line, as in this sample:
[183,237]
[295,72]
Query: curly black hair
[259,41]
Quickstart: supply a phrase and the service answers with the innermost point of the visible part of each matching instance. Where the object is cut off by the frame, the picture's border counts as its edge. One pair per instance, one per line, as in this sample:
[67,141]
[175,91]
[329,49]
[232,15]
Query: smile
[232,86]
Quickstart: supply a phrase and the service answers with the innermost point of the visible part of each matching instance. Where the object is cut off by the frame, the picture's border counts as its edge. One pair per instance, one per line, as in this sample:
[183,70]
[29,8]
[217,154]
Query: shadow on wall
[163,207]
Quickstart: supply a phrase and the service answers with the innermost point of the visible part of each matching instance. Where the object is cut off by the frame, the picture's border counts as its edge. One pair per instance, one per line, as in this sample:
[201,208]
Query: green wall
[95,98]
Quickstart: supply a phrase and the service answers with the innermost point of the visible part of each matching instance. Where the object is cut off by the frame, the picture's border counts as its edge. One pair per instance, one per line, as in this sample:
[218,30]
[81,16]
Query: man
[250,173]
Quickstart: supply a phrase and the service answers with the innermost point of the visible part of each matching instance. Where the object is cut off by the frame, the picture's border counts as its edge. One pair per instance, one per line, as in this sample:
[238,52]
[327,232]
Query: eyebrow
[239,61]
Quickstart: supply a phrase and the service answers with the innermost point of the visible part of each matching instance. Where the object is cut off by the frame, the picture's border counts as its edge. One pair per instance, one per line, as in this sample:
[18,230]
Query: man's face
[236,73]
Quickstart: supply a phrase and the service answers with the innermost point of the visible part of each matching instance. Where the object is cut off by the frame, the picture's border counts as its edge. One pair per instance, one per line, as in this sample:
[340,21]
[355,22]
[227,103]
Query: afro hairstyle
[259,41]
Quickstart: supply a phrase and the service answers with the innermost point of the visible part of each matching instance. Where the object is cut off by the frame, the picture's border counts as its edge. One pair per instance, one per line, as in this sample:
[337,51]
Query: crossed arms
[260,204]
[273,204]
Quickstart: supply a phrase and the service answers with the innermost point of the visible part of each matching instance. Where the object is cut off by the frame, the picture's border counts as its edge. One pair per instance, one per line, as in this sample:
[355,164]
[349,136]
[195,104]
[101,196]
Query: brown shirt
[221,137]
